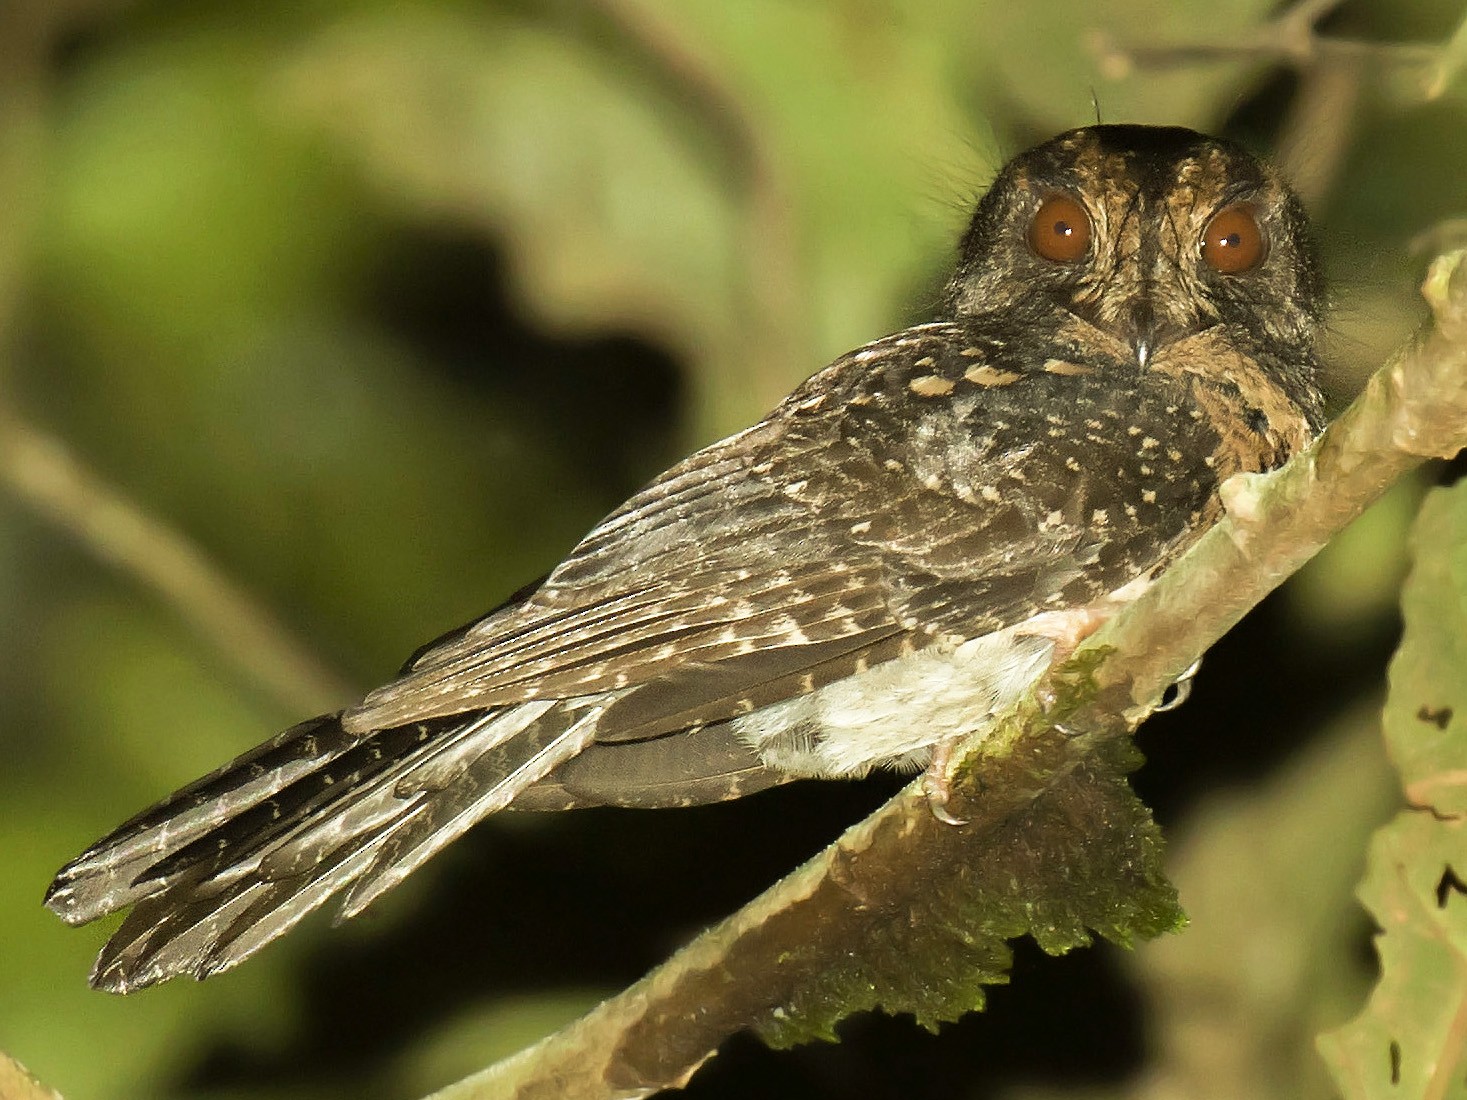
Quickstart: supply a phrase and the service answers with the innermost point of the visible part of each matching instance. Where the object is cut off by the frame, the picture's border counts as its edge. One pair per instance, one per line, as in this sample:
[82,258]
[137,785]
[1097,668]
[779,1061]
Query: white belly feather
[894,713]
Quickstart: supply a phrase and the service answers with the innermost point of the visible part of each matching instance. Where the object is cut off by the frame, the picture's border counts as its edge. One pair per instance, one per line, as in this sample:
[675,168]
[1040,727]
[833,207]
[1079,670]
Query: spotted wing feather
[874,501]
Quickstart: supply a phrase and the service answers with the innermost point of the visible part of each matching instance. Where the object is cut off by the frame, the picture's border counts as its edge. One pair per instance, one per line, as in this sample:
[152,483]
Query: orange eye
[1233,241]
[1060,230]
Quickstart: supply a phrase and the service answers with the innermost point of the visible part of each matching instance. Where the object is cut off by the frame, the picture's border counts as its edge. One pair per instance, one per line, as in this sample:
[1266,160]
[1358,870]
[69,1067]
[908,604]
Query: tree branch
[743,971]
[1321,119]
[1412,409]
[17,1084]
[41,473]
[1424,70]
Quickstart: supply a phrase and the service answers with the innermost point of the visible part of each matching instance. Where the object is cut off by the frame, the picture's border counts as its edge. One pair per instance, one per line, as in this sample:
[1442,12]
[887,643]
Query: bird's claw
[1180,689]
[937,785]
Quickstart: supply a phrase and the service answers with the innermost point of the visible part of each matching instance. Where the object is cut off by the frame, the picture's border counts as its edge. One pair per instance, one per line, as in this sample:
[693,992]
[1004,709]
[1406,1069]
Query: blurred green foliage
[1407,1041]
[383,303]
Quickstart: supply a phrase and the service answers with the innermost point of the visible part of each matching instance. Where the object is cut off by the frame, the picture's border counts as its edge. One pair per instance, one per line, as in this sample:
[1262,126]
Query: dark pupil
[1063,229]
[1232,240]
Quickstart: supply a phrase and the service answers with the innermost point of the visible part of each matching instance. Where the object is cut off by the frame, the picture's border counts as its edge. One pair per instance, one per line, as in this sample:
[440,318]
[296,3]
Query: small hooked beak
[1145,332]
[1141,326]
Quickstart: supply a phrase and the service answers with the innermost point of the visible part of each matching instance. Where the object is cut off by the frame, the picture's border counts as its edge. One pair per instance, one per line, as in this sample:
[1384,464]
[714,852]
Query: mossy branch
[827,939]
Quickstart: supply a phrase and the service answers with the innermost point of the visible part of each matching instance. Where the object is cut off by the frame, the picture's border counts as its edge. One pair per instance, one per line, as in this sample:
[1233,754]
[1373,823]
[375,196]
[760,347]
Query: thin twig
[1453,62]
[656,1034]
[17,1084]
[1319,127]
[41,472]
[1292,37]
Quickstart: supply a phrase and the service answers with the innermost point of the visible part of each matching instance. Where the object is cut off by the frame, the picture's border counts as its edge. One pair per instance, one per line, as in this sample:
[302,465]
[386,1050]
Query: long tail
[230,862]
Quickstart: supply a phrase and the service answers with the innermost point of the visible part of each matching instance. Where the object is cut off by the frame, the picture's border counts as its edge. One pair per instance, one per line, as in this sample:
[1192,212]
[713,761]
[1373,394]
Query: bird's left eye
[1233,241]
[1060,231]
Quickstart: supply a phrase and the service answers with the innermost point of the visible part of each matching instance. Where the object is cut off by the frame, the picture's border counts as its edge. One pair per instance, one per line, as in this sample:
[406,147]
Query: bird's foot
[937,783]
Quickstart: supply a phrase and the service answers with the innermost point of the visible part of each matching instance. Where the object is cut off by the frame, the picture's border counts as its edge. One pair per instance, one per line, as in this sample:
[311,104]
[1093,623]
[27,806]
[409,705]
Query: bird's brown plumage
[874,567]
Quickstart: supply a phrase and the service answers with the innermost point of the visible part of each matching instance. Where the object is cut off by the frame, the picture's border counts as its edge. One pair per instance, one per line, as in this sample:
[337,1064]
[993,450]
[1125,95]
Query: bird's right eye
[1060,231]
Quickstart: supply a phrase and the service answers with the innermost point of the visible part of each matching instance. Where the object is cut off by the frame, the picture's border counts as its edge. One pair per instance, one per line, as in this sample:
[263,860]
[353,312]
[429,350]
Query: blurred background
[325,325]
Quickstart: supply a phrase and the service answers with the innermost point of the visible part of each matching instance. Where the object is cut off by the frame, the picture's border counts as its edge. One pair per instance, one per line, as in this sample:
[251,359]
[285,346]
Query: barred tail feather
[490,783]
[227,864]
[106,877]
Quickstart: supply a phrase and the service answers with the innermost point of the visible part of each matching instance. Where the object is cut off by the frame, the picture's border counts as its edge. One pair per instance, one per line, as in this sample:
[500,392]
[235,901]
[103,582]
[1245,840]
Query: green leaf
[1411,1038]
[1074,37]
[1426,715]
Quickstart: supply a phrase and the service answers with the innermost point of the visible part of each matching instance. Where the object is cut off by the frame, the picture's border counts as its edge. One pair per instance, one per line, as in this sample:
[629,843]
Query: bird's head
[1150,234]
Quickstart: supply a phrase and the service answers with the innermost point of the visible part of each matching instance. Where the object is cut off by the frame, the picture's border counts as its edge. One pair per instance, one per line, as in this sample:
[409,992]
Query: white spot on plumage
[793,634]
[988,377]
[931,385]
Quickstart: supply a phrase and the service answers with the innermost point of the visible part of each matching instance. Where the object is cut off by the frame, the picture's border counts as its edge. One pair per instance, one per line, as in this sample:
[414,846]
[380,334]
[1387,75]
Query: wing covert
[912,489]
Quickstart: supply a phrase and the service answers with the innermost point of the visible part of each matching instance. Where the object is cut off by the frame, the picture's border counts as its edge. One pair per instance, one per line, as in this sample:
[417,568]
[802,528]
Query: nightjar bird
[889,558]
